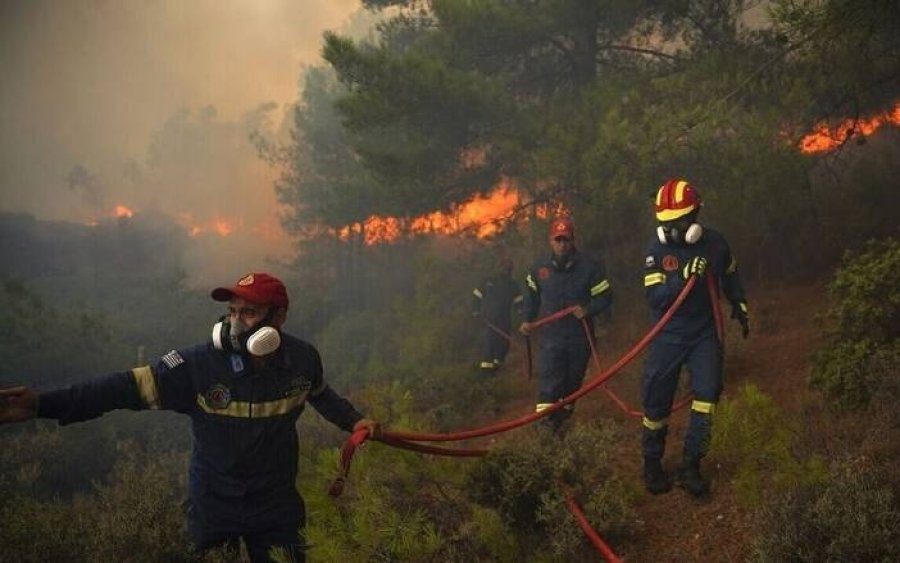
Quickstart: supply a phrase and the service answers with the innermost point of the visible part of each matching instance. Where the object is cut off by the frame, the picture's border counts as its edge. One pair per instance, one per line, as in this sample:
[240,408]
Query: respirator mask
[680,231]
[261,340]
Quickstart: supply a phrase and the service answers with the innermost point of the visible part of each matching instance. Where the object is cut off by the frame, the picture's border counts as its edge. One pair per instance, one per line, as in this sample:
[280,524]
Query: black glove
[739,312]
[694,266]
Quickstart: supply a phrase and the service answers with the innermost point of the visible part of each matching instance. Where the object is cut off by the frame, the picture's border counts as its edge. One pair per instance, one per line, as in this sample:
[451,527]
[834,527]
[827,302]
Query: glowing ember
[122,211]
[824,138]
[194,227]
[223,228]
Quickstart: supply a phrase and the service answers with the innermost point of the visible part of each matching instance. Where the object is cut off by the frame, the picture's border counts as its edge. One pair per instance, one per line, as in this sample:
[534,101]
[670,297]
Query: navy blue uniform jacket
[243,420]
[552,287]
[663,282]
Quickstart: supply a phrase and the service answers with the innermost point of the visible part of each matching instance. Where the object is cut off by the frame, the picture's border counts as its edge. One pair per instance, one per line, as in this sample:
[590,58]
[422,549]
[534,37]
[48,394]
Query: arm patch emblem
[173,359]
[669,263]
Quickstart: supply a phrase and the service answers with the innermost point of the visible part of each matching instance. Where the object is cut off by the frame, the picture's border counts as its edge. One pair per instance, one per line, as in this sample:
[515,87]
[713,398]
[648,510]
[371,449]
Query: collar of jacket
[564,263]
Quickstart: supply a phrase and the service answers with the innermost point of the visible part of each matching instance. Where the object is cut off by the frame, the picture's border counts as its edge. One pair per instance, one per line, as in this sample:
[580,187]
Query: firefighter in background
[681,248]
[493,301]
[243,391]
[564,279]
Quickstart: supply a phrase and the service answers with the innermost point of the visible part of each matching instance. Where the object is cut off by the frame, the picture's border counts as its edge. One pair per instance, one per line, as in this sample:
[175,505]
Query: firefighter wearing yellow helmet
[682,248]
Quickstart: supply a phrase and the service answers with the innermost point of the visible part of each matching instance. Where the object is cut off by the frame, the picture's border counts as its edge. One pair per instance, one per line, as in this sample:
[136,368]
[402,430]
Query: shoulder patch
[650,262]
[669,263]
[543,273]
[173,359]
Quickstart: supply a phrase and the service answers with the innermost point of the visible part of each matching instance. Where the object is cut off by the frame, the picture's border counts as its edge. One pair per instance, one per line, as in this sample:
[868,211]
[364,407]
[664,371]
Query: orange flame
[483,215]
[824,138]
[223,228]
[219,226]
[123,212]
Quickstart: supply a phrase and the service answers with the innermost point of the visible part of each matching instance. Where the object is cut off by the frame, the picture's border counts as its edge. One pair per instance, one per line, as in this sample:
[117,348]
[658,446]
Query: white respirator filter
[218,332]
[264,341]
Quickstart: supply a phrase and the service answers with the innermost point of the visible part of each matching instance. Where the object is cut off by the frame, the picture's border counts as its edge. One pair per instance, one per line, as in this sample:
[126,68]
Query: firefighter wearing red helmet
[680,249]
[564,279]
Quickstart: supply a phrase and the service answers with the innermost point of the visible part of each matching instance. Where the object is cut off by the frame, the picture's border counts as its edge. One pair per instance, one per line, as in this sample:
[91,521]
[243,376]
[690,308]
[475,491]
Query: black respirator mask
[261,340]
[680,231]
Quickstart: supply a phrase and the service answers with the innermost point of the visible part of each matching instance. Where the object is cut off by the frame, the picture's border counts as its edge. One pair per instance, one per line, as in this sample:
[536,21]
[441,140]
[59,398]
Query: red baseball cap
[256,288]
[562,227]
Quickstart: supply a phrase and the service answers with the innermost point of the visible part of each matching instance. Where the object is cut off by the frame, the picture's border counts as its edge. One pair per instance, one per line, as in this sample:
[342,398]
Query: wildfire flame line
[823,138]
[482,215]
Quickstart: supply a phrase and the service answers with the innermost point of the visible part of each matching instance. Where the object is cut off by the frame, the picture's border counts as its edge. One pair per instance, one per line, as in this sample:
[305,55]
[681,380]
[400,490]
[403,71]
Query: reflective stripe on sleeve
[654,279]
[146,384]
[518,300]
[540,407]
[530,281]
[703,406]
[654,424]
[732,267]
[599,288]
[477,293]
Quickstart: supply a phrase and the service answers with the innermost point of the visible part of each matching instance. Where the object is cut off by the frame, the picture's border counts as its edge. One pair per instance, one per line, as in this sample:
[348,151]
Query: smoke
[150,105]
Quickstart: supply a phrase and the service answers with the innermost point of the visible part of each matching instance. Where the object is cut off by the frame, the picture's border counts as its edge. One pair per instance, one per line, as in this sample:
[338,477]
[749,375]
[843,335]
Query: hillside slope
[776,358]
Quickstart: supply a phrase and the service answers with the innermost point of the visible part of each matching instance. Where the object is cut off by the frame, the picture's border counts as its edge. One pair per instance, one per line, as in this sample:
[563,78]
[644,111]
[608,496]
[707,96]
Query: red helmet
[562,227]
[676,198]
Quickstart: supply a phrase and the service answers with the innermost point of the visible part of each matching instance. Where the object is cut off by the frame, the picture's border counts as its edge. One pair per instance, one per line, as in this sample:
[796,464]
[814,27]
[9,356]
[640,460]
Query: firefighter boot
[656,480]
[690,479]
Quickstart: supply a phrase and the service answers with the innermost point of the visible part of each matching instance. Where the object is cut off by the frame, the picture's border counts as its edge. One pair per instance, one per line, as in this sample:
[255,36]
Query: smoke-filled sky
[148,104]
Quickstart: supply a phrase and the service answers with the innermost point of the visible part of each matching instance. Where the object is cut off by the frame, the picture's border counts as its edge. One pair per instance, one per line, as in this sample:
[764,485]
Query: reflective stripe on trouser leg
[498,346]
[552,366]
[696,441]
[661,371]
[561,371]
[653,437]
[705,365]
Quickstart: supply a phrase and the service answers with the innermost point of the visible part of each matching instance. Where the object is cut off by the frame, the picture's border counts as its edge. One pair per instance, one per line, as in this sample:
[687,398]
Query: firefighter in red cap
[682,248]
[243,391]
[493,301]
[564,279]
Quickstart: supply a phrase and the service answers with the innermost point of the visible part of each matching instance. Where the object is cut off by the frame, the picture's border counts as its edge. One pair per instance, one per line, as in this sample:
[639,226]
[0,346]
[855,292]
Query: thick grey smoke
[149,105]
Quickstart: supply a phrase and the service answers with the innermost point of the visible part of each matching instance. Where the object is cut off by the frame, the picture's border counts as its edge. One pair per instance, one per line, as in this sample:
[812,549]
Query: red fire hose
[587,388]
[595,539]
[402,439]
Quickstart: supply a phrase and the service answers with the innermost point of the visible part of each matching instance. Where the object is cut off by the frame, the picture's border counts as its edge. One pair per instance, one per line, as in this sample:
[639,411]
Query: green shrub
[756,438]
[396,506]
[862,339]
[854,517]
[135,516]
[524,480]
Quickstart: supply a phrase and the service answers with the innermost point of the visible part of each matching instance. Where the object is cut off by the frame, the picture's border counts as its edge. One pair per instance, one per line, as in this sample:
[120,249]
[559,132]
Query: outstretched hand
[17,404]
[373,426]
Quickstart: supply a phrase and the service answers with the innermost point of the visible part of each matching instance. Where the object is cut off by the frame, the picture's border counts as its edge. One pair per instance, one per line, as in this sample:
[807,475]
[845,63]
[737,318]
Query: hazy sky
[148,103]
